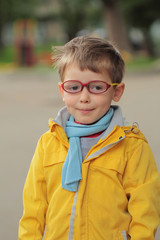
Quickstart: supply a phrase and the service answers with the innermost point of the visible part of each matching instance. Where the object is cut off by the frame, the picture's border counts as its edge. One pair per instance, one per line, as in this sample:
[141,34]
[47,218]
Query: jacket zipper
[72,218]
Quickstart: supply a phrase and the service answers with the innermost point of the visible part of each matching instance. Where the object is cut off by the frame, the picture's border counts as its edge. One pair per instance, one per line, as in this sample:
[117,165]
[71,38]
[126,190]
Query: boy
[92,177]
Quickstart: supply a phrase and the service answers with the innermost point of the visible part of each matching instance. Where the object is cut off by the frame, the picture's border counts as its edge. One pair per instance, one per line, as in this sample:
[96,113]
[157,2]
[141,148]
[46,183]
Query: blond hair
[95,54]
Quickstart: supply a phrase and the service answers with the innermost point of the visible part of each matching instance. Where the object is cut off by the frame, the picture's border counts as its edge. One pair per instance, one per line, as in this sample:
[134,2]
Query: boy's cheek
[69,99]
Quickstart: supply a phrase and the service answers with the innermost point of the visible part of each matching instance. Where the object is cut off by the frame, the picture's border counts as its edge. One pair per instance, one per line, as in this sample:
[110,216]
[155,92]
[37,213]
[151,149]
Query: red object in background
[25,53]
[24,42]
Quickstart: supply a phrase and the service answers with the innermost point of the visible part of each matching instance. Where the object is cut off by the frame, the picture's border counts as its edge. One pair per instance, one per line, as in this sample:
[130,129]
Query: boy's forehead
[74,68]
[96,66]
[74,72]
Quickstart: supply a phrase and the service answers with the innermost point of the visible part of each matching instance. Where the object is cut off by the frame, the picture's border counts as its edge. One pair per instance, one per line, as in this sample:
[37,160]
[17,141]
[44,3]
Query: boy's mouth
[85,110]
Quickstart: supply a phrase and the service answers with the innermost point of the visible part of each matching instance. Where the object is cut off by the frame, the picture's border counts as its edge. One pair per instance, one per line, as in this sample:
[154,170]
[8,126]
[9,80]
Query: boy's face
[84,106]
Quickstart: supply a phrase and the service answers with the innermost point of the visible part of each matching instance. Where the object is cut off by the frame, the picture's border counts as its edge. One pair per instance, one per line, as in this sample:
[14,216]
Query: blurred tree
[116,25]
[11,10]
[141,14]
[74,15]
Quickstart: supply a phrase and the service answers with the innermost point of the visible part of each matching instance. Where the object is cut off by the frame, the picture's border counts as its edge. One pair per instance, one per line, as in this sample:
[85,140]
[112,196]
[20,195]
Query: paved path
[27,100]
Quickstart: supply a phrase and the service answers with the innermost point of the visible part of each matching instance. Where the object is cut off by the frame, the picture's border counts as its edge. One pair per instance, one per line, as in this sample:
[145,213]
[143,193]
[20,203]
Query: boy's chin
[86,122]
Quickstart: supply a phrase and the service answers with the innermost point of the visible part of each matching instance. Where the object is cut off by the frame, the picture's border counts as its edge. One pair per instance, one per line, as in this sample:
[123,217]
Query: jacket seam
[113,169]
[135,148]
[43,180]
[103,150]
[37,223]
[87,222]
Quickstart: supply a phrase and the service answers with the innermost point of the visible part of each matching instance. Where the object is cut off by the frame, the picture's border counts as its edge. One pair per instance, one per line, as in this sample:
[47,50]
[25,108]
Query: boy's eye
[72,87]
[97,87]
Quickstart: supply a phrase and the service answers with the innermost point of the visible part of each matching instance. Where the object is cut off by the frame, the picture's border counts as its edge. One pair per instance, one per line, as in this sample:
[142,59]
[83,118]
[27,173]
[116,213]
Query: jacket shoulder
[134,132]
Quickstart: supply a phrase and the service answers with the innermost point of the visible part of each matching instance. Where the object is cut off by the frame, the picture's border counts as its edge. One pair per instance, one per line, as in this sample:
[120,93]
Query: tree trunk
[148,44]
[116,27]
[1,42]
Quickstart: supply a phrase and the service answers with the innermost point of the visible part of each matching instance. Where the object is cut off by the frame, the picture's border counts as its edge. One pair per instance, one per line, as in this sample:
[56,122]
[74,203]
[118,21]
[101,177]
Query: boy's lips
[85,110]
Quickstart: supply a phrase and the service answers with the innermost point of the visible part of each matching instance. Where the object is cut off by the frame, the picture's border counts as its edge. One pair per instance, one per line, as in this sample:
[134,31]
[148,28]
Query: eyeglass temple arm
[114,84]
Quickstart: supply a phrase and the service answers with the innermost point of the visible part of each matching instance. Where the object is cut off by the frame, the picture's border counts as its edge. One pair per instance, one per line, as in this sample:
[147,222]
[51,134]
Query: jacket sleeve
[32,223]
[142,185]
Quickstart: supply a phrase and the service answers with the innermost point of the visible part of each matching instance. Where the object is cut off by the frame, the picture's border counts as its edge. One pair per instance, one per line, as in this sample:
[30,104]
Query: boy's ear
[118,92]
[61,90]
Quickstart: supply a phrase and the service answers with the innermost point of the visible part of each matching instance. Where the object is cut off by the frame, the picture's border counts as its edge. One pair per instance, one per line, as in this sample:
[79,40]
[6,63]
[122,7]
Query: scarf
[71,171]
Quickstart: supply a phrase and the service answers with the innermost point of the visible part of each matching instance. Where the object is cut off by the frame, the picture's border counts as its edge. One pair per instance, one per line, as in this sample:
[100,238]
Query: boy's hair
[95,54]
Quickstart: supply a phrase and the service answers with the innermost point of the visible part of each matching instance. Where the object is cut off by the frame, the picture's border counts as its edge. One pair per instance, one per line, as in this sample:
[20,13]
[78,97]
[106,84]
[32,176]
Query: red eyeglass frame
[87,86]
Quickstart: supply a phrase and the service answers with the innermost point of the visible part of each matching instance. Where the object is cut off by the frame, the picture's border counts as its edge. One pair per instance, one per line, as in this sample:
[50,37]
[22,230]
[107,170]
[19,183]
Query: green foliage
[109,3]
[14,9]
[141,13]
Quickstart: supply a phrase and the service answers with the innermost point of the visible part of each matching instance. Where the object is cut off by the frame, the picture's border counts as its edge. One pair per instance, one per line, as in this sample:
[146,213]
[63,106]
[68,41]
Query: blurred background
[28,82]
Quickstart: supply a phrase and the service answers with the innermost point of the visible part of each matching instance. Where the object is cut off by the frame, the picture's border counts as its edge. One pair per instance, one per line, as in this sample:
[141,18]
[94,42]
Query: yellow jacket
[118,196]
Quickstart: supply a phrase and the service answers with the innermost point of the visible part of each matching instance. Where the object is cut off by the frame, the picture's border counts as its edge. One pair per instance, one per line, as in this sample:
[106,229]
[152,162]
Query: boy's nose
[84,95]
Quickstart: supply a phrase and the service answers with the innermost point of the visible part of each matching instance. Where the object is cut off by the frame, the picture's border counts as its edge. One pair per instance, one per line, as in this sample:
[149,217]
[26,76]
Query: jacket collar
[117,131]
[117,119]
[62,116]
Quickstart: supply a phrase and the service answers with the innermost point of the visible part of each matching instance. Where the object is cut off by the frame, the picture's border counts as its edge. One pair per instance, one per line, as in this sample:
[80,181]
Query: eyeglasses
[95,87]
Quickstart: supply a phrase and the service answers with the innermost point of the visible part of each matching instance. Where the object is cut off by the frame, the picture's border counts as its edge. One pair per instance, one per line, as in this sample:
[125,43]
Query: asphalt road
[28,99]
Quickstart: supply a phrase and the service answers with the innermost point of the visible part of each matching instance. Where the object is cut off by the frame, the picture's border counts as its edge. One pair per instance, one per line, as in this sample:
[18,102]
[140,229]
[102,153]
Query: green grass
[7,55]
[141,63]
[43,48]
[138,63]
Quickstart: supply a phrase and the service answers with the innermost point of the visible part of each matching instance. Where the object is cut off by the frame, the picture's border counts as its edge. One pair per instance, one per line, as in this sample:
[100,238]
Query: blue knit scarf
[71,172]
